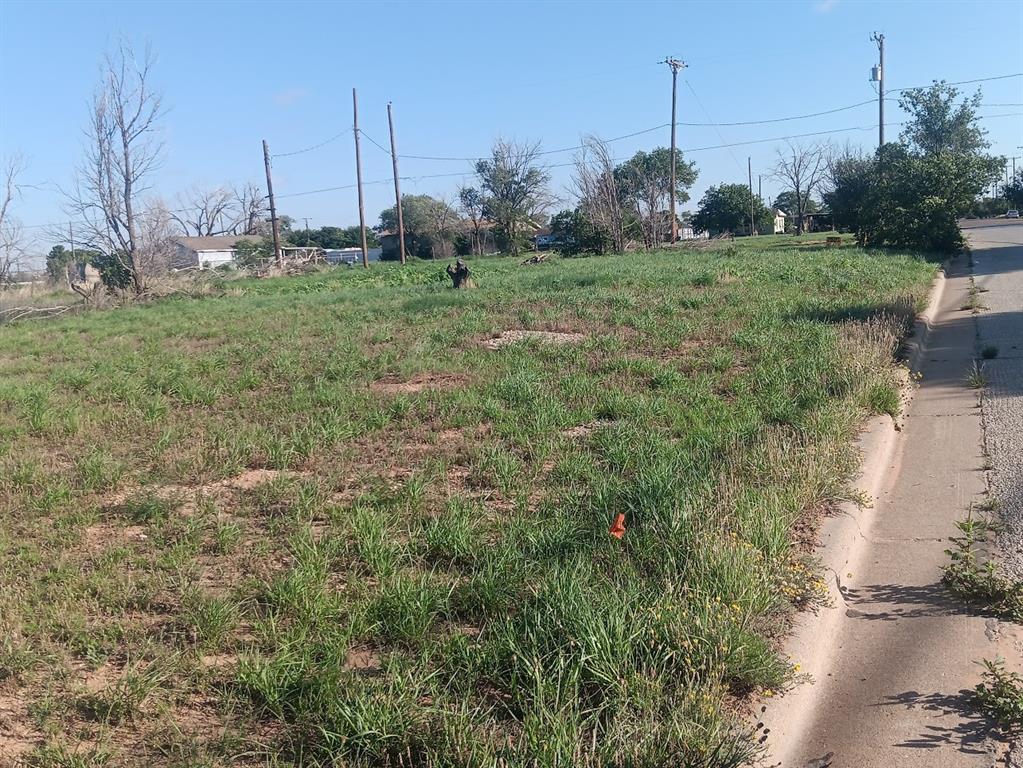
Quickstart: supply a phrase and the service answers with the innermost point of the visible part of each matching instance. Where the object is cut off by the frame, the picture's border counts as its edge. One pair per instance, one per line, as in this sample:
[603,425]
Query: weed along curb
[843,540]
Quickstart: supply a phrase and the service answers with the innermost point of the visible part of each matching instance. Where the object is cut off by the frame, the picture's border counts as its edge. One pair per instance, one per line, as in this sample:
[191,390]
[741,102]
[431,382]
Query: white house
[779,221]
[208,252]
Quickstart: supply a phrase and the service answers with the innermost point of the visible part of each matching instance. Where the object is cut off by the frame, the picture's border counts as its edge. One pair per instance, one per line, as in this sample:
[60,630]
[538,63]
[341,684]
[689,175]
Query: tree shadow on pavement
[891,602]
[968,732]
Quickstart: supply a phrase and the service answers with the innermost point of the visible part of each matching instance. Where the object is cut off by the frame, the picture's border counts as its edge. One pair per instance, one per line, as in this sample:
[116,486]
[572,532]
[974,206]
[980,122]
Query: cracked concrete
[895,687]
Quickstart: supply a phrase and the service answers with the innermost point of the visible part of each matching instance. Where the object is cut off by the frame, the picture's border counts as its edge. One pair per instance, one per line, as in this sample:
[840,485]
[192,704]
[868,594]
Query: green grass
[283,562]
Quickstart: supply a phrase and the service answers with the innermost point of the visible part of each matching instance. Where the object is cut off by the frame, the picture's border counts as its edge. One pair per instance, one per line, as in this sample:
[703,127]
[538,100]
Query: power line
[723,145]
[732,124]
[324,143]
[375,143]
[958,82]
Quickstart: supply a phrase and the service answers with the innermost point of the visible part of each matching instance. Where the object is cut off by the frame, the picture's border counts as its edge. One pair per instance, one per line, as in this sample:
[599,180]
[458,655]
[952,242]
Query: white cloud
[825,6]
[289,96]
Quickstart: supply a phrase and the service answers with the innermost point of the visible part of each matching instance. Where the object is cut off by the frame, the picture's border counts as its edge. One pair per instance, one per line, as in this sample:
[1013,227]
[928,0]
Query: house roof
[779,212]
[216,243]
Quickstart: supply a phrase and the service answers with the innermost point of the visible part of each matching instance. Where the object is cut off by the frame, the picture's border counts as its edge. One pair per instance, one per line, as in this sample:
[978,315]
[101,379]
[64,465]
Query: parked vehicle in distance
[1013,214]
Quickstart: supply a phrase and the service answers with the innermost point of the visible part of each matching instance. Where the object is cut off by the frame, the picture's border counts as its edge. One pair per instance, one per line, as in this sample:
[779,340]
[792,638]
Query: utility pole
[306,220]
[278,257]
[397,186]
[358,179]
[760,187]
[752,219]
[879,39]
[675,66]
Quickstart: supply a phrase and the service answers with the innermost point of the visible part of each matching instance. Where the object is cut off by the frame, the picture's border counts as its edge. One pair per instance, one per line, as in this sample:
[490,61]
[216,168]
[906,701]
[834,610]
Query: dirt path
[896,689]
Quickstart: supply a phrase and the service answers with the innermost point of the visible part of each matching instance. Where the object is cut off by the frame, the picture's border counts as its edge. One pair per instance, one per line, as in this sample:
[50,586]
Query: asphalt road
[897,688]
[998,271]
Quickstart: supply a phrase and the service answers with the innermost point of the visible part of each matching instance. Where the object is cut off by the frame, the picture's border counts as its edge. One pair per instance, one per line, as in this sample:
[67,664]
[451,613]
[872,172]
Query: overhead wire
[324,143]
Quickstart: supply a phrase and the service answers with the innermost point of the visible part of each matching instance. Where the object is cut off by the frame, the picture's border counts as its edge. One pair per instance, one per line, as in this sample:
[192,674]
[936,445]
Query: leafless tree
[597,189]
[251,210]
[156,229]
[803,169]
[515,185]
[11,239]
[204,213]
[122,152]
[221,211]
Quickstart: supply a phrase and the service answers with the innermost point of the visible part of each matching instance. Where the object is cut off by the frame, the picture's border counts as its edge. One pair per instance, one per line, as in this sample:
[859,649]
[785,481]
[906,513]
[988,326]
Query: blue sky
[461,74]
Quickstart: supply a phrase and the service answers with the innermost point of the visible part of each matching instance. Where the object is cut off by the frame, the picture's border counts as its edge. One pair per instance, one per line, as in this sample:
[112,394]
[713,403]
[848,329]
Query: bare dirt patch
[19,734]
[419,382]
[97,538]
[99,679]
[253,478]
[365,660]
[505,338]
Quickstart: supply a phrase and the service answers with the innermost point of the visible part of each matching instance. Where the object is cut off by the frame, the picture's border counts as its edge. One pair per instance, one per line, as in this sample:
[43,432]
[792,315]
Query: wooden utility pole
[752,218]
[397,186]
[358,179]
[278,257]
[675,66]
[879,39]
[760,187]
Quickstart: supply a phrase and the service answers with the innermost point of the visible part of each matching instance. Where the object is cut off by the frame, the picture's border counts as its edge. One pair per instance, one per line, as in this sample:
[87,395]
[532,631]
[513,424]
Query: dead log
[539,258]
[460,275]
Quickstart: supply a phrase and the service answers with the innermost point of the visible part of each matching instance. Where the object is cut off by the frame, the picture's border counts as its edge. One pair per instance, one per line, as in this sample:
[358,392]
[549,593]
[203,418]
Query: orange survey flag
[618,527]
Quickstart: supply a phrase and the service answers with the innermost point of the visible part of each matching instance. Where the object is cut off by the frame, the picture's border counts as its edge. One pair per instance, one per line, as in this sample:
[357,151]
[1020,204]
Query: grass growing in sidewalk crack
[975,577]
[975,375]
[1000,695]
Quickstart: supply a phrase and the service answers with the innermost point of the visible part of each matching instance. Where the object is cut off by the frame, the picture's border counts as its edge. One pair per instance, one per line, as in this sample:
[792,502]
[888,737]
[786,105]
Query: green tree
[917,188]
[577,233]
[644,182]
[1014,190]
[914,201]
[430,225]
[939,125]
[59,257]
[726,208]
[787,202]
[56,263]
[850,176]
[514,186]
[331,237]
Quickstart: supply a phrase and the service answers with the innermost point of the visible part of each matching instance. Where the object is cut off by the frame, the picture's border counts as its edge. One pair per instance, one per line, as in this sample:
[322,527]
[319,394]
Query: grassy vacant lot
[318,521]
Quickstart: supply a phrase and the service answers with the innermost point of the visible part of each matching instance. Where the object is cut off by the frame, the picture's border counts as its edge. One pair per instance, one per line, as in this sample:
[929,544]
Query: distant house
[208,252]
[82,275]
[350,255]
[779,221]
[686,232]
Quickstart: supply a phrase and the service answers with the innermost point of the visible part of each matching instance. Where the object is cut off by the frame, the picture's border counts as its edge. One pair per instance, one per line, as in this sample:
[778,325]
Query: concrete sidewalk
[897,687]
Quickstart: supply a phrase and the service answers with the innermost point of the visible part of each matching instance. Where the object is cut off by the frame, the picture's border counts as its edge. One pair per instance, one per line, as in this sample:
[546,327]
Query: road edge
[841,544]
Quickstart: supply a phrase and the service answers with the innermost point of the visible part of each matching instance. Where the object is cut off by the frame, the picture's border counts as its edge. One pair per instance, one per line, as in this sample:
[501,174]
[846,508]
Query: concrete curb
[916,343]
[843,541]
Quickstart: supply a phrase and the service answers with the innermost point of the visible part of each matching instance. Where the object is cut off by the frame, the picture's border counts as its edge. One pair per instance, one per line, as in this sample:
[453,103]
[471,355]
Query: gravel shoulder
[998,272]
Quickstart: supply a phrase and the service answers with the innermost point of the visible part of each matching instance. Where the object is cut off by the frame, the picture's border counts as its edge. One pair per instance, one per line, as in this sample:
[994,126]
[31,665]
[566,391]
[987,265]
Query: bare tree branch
[597,189]
[122,152]
[11,234]
[803,169]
